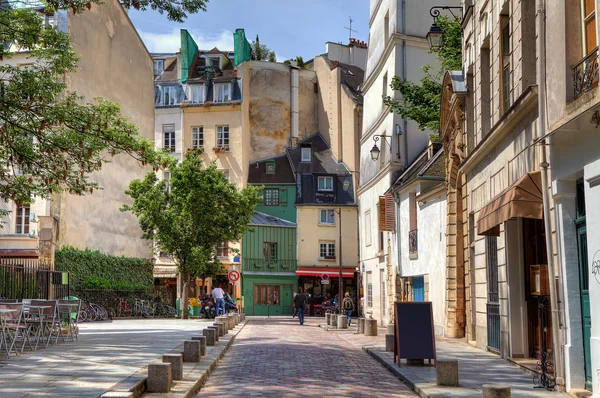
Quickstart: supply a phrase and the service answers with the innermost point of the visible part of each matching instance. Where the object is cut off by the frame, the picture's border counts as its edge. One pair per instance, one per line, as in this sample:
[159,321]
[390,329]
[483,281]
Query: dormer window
[196,93]
[270,168]
[159,67]
[223,92]
[305,154]
[325,183]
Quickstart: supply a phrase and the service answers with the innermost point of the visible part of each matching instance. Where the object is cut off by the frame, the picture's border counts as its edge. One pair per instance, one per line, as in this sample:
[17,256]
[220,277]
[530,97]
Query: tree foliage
[261,52]
[199,211]
[421,101]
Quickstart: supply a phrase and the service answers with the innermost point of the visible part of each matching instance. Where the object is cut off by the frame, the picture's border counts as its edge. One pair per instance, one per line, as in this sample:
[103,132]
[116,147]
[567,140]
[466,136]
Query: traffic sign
[324,281]
[325,277]
[234,275]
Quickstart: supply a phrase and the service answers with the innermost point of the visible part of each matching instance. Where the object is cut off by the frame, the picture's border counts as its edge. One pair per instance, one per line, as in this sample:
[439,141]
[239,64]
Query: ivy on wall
[90,269]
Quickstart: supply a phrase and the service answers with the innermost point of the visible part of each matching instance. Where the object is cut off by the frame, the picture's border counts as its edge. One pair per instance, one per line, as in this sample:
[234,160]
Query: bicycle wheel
[111,313]
[82,316]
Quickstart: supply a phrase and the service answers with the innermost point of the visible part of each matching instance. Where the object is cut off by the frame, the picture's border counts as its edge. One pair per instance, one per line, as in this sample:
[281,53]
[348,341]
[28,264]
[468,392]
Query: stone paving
[277,357]
[106,353]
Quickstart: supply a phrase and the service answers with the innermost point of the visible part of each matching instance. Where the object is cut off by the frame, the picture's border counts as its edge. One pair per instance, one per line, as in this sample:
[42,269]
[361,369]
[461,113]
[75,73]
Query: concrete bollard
[389,342]
[223,319]
[328,319]
[446,372]
[333,320]
[222,330]
[210,337]
[496,391]
[231,322]
[390,329]
[361,326]
[342,322]
[237,319]
[216,329]
[202,340]
[370,327]
[176,361]
[192,352]
[159,377]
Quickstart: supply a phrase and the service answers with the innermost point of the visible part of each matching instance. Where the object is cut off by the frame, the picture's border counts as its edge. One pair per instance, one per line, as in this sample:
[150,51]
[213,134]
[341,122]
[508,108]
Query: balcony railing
[413,245]
[267,265]
[585,74]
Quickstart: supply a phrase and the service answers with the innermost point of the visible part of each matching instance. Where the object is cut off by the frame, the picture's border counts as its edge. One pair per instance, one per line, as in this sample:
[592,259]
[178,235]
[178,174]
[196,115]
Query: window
[325,183]
[383,297]
[167,178]
[223,250]
[327,251]
[327,217]
[222,136]
[271,197]
[270,168]
[22,220]
[169,137]
[386,27]
[226,173]
[169,95]
[223,91]
[484,97]
[368,227]
[305,155]
[589,25]
[266,294]
[385,85]
[215,61]
[505,62]
[197,137]
[159,67]
[369,289]
[270,251]
[196,93]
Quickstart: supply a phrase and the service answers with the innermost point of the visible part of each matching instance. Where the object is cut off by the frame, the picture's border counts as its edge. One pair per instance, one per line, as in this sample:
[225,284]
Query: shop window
[266,295]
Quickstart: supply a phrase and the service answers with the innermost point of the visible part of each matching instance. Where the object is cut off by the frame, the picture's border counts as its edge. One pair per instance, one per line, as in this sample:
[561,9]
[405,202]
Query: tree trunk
[185,279]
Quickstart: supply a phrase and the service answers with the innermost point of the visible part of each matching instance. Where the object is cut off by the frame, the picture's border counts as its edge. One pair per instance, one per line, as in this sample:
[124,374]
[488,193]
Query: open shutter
[381,213]
[390,212]
[282,196]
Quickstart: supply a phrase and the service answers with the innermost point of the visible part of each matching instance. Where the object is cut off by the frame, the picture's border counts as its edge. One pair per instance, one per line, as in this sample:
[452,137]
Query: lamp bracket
[385,137]
[436,10]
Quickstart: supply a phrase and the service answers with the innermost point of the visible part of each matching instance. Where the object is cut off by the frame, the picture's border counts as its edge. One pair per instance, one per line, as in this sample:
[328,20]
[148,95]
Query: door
[493,300]
[267,300]
[286,300]
[418,289]
[584,283]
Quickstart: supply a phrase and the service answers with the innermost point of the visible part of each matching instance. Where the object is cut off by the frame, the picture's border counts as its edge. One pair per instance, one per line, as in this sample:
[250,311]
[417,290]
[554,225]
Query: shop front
[322,284]
[268,295]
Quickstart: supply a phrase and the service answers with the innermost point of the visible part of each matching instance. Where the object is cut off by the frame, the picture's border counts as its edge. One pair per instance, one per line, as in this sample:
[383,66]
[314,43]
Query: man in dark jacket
[299,301]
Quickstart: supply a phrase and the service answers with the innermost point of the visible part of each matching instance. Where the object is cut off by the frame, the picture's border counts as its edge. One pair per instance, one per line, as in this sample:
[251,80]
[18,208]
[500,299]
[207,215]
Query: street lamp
[375,151]
[436,34]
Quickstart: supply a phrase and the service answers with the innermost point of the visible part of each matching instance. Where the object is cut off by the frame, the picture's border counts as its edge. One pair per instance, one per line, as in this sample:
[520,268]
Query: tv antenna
[350,28]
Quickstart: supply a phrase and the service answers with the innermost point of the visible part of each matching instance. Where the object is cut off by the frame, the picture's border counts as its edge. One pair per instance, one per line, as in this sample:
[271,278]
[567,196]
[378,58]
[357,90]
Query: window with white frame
[22,219]
[327,251]
[226,173]
[197,137]
[196,93]
[169,95]
[222,136]
[271,197]
[369,289]
[223,92]
[368,227]
[327,217]
[167,178]
[215,61]
[159,67]
[169,137]
[223,249]
[305,154]
[325,183]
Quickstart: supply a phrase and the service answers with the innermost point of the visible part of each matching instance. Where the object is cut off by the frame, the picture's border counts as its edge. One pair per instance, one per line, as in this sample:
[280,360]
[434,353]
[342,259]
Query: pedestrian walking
[218,294]
[295,309]
[299,302]
[348,306]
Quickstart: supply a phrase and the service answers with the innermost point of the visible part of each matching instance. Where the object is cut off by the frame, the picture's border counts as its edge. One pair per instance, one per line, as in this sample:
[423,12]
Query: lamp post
[436,34]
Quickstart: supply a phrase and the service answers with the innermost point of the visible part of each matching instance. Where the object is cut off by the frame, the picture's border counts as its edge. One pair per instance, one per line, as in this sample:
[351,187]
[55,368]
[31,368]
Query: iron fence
[585,74]
[269,265]
[493,326]
[31,279]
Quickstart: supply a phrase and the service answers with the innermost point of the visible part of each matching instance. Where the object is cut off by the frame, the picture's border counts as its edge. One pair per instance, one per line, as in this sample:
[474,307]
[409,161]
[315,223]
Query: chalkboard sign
[414,336]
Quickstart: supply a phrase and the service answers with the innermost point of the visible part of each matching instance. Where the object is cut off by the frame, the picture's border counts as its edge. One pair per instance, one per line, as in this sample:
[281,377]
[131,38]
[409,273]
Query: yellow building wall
[310,233]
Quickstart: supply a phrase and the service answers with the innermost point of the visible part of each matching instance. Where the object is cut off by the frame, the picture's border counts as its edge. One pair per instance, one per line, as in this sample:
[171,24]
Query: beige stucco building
[108,46]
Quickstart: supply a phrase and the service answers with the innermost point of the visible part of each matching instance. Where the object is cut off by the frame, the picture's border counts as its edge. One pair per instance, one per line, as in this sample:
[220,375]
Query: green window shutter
[282,196]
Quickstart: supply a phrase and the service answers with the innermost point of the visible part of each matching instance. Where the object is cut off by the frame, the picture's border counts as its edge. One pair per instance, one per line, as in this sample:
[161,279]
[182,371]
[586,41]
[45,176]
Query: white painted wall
[347,54]
[164,116]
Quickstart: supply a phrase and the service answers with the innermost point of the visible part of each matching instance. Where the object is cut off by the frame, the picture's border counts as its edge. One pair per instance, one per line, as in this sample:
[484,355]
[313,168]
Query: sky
[290,28]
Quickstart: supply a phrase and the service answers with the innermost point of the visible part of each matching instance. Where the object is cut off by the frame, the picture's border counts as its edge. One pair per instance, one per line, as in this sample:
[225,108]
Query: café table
[4,332]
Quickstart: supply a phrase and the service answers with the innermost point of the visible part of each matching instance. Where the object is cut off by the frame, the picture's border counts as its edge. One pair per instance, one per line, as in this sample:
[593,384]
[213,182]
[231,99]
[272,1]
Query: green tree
[421,101]
[199,211]
[261,52]
[50,139]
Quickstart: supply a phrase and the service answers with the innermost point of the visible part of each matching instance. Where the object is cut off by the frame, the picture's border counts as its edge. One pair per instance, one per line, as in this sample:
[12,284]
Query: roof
[169,72]
[425,168]
[199,69]
[458,81]
[262,219]
[323,161]
[283,172]
[352,78]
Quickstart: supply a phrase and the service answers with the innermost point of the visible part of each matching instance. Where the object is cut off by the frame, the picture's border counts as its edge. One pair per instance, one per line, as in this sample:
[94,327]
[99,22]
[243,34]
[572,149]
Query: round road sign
[234,275]
[325,277]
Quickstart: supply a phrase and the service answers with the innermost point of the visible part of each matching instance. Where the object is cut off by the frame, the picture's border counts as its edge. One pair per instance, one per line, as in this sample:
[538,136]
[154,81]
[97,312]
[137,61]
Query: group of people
[301,301]
[219,296]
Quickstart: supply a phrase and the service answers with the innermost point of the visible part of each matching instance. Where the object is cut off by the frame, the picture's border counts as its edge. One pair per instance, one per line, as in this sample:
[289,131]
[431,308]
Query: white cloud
[171,42]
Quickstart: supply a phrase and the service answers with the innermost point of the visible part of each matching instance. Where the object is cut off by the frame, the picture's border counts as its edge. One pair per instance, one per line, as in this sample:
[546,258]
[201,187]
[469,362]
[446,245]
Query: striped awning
[332,272]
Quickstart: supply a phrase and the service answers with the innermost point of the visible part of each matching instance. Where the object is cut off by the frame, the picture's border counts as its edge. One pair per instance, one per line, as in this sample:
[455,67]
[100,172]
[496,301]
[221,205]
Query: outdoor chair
[46,320]
[307,309]
[68,311]
[16,328]
[8,301]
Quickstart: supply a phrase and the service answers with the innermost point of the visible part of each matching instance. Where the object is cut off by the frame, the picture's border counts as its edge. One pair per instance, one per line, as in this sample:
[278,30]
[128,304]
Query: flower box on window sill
[218,149]
[199,149]
[272,265]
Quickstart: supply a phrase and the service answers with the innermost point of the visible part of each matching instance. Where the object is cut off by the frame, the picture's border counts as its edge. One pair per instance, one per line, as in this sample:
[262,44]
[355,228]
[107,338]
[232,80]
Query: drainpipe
[405,121]
[293,104]
[540,23]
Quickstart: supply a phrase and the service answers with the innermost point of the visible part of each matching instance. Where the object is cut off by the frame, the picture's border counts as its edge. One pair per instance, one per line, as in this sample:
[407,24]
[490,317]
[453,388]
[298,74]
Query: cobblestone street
[278,357]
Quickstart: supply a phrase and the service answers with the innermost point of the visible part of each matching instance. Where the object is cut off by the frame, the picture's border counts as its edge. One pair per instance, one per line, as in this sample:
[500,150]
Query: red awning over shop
[330,271]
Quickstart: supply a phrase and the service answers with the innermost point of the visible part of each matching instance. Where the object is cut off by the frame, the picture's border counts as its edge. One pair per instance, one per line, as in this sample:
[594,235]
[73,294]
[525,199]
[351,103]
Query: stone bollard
[328,319]
[223,319]
[361,326]
[202,340]
[176,361]
[446,372]
[333,320]
[390,329]
[237,319]
[222,329]
[216,329]
[192,352]
[210,337]
[496,391]
[231,322]
[389,342]
[370,327]
[342,322]
[159,377]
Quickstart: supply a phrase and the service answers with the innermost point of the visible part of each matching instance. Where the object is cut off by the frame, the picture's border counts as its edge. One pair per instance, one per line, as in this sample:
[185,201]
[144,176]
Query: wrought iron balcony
[413,245]
[585,74]
[268,265]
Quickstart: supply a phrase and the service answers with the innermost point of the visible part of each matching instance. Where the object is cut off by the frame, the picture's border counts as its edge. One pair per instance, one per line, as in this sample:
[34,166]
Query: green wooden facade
[268,294]
[286,204]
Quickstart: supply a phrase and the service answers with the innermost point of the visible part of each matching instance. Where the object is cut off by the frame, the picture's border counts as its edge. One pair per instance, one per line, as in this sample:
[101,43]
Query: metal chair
[16,327]
[68,311]
[47,319]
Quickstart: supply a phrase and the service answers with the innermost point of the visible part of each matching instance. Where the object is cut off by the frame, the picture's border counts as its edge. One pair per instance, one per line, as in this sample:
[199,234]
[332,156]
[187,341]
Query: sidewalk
[476,367]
